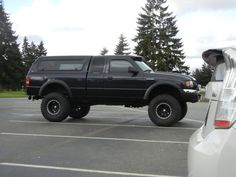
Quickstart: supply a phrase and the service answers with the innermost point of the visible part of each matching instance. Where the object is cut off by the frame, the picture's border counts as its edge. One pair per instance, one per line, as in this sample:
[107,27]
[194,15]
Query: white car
[212,148]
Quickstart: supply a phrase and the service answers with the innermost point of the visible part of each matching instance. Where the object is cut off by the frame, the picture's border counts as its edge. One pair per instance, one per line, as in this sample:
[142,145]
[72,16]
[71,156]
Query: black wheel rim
[163,110]
[53,107]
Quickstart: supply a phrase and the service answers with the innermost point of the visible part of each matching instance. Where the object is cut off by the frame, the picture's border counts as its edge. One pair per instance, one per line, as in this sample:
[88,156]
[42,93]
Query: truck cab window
[119,66]
[97,65]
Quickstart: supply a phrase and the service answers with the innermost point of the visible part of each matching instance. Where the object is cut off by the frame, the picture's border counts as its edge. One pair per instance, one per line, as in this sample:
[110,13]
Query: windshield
[144,66]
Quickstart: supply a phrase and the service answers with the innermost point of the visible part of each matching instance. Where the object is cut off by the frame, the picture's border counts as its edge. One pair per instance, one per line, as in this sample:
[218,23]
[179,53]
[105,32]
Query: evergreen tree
[11,69]
[30,52]
[203,75]
[40,50]
[156,38]
[26,59]
[122,48]
[33,51]
[104,51]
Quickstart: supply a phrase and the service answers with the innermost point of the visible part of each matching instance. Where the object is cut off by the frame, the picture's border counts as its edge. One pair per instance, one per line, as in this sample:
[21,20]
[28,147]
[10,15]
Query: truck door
[122,85]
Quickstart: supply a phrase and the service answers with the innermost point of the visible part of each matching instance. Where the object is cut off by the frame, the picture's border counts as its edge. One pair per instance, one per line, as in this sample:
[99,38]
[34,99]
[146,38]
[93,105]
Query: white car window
[215,86]
[219,72]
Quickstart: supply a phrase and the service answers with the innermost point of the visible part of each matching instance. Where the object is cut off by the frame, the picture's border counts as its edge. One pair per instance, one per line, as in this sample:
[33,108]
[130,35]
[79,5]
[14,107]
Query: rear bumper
[190,95]
[212,156]
[32,91]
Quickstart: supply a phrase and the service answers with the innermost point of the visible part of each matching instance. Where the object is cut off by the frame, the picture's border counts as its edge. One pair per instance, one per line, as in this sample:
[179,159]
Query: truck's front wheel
[184,110]
[164,110]
[55,107]
[78,112]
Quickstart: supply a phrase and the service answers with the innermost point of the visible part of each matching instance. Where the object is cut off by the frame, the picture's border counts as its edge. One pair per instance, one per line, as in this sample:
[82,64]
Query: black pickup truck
[69,85]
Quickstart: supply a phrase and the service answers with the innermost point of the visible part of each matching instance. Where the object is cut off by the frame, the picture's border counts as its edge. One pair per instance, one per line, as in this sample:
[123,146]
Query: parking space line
[96,124]
[93,138]
[192,120]
[81,170]
[26,115]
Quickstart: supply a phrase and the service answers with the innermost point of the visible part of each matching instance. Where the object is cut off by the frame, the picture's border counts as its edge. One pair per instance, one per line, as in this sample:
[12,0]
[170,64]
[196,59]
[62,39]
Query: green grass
[12,94]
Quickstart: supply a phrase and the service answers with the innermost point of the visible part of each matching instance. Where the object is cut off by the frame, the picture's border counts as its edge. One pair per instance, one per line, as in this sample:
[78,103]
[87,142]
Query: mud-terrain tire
[78,112]
[55,107]
[184,108]
[164,110]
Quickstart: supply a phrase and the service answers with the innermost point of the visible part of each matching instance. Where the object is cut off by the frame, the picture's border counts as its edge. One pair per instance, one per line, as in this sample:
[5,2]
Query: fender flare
[53,81]
[155,85]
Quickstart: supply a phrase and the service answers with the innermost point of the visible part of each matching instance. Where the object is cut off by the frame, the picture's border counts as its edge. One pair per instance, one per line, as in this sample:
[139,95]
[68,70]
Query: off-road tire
[78,112]
[164,110]
[55,107]
[184,108]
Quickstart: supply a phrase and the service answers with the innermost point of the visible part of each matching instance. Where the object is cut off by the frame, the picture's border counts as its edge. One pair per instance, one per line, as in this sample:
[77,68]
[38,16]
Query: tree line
[156,40]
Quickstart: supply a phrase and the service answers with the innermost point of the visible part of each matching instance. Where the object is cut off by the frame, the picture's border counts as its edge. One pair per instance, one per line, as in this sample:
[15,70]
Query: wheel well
[165,89]
[54,88]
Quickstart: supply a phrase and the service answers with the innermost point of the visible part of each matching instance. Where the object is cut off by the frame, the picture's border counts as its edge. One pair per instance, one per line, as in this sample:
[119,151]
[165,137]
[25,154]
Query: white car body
[212,148]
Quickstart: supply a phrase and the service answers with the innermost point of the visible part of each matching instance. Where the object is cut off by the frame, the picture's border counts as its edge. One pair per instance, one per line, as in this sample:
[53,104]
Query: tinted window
[144,66]
[66,65]
[97,65]
[119,66]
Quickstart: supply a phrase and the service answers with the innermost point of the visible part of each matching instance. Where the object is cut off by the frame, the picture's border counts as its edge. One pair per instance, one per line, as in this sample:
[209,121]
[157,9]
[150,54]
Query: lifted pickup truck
[69,85]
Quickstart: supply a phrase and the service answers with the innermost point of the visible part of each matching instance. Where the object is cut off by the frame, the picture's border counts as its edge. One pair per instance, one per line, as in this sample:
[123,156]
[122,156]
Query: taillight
[226,113]
[27,81]
[222,124]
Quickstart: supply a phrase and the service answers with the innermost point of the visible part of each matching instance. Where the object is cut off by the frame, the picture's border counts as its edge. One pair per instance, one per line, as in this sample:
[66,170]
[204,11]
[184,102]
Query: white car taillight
[226,109]
[225,115]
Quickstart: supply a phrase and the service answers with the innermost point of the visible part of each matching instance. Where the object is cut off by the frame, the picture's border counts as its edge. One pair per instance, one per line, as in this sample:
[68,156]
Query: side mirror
[132,70]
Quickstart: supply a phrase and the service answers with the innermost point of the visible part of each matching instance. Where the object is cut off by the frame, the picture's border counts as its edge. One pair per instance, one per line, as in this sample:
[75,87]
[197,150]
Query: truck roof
[134,57]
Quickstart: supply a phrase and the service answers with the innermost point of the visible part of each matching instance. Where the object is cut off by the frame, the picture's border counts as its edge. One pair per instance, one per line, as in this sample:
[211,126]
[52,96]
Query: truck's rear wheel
[78,112]
[164,110]
[55,107]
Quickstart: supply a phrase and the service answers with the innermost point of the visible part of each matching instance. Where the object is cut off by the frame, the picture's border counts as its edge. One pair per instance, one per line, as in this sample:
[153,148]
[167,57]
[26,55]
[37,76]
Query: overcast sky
[84,27]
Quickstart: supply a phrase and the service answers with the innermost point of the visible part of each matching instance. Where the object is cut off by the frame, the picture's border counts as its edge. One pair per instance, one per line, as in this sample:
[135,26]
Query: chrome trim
[190,91]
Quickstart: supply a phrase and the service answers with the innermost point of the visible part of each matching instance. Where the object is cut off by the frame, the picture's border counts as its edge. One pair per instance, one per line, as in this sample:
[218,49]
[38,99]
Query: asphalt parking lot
[110,141]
